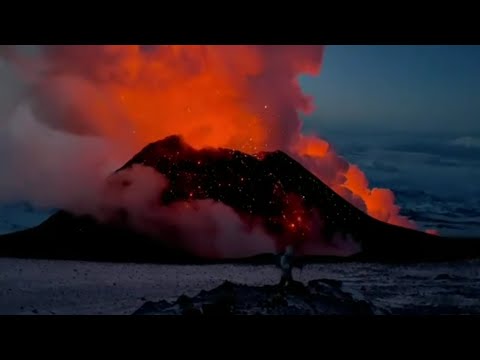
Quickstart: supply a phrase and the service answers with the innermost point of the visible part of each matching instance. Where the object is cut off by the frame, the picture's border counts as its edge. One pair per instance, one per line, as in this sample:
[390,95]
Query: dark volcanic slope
[269,186]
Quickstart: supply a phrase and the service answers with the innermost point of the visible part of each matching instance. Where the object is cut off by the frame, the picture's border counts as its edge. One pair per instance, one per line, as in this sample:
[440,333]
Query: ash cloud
[50,168]
[51,153]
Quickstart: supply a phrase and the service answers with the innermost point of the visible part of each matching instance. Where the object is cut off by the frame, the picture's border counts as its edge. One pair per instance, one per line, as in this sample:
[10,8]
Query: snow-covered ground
[67,287]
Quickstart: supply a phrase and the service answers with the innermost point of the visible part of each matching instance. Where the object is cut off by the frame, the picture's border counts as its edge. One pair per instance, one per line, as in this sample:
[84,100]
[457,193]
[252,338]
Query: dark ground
[75,287]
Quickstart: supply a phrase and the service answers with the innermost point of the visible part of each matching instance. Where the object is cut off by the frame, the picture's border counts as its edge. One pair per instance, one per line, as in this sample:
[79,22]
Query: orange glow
[312,146]
[380,203]
[186,90]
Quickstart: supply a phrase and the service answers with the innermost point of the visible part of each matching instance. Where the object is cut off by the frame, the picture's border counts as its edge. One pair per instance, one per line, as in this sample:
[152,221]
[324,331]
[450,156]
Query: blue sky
[423,88]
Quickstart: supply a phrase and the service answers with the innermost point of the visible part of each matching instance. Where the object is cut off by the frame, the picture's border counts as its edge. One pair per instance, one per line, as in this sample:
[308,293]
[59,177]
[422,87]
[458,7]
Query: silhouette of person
[286,266]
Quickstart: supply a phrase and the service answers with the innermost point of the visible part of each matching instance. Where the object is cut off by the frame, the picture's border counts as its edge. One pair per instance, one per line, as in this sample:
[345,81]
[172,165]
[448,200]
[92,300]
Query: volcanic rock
[318,297]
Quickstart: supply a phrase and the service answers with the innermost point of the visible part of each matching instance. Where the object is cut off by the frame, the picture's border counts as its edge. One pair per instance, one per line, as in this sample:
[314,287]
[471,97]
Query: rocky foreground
[318,297]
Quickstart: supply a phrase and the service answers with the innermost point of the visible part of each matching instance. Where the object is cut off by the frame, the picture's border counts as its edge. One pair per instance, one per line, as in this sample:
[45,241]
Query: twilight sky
[398,87]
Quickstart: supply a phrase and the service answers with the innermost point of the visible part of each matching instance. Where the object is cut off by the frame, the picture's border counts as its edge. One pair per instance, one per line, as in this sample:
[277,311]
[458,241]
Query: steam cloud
[72,114]
[206,228]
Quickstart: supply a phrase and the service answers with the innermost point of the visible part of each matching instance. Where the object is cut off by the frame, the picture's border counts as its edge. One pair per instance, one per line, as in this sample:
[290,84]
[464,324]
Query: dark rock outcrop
[318,297]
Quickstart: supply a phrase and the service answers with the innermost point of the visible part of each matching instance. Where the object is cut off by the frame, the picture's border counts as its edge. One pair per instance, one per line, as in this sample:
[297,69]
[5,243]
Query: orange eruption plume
[241,97]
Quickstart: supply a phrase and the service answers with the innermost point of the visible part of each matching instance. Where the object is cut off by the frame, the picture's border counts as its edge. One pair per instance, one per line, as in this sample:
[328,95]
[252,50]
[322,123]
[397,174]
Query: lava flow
[245,98]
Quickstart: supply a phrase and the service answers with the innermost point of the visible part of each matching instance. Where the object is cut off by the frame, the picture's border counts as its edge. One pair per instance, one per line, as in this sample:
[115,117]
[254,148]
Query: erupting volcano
[89,107]
[233,176]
